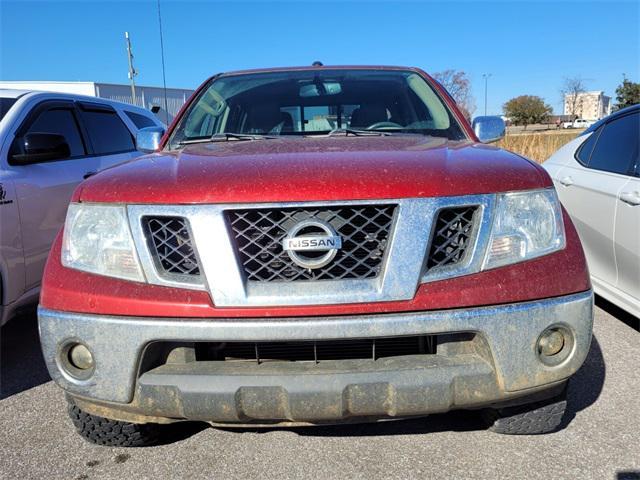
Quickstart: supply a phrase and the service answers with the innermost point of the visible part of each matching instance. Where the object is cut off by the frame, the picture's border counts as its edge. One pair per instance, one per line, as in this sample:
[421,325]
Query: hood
[314,169]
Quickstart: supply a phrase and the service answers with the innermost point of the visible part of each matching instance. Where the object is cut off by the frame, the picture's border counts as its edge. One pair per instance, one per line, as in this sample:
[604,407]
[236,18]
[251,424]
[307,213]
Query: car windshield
[316,102]
[5,105]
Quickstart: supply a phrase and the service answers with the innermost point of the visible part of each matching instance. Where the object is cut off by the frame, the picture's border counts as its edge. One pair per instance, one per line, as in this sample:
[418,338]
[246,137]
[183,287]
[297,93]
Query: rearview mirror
[40,147]
[320,89]
[489,129]
[148,139]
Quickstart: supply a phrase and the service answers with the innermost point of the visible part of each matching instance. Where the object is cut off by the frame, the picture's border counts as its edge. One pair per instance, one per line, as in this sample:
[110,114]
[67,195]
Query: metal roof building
[151,98]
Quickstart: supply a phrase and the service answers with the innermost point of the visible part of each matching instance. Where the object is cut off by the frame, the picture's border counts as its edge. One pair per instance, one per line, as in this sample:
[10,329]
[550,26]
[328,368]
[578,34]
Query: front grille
[452,236]
[171,245]
[365,232]
[367,349]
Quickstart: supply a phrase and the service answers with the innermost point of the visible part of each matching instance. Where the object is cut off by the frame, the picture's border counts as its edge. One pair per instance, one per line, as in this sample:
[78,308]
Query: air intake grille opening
[301,351]
[171,245]
[452,236]
[258,233]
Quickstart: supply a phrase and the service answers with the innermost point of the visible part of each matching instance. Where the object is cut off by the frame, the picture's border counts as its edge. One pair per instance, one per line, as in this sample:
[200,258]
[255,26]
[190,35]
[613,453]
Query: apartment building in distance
[588,105]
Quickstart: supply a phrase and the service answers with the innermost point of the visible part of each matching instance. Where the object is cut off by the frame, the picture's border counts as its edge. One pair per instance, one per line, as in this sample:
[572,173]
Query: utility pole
[132,70]
[486,79]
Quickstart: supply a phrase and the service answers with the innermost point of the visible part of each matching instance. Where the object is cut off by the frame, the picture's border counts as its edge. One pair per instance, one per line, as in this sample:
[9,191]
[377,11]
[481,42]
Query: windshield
[5,105]
[319,102]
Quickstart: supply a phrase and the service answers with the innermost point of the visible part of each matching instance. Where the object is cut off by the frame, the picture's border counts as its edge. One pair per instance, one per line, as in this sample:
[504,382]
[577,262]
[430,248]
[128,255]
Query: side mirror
[148,139]
[489,129]
[39,147]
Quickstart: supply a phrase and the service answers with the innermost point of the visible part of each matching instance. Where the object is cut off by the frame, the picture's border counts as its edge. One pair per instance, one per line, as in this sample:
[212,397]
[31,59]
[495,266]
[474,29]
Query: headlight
[526,225]
[97,239]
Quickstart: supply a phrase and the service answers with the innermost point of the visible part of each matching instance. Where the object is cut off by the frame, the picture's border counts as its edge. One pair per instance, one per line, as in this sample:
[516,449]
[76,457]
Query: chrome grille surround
[259,233]
[403,268]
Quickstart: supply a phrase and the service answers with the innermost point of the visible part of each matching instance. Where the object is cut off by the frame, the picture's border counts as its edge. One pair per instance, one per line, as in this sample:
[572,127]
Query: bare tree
[457,83]
[572,88]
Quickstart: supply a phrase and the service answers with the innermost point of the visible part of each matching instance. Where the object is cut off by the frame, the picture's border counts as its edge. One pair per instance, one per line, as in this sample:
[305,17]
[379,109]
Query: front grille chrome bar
[403,267]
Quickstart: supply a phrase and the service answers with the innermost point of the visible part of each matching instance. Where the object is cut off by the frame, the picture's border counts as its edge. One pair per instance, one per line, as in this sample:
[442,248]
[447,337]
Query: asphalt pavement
[600,438]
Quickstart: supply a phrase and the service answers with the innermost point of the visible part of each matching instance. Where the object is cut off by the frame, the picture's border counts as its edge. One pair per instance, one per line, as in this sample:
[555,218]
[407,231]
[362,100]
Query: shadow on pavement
[620,314]
[21,364]
[586,385]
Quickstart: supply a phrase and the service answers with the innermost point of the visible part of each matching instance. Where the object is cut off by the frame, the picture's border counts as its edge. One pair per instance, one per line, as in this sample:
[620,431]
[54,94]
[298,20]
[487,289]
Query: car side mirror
[489,129]
[40,147]
[148,139]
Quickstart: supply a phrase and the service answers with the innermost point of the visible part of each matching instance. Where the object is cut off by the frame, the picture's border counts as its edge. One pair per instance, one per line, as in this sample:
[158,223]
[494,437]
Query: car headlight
[526,225]
[97,239]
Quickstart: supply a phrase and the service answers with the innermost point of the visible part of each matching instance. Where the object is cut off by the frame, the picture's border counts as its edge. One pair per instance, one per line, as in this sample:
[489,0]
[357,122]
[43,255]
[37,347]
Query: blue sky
[528,47]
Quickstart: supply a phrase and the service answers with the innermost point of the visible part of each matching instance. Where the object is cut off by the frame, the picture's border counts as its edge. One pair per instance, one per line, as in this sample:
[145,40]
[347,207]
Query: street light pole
[486,79]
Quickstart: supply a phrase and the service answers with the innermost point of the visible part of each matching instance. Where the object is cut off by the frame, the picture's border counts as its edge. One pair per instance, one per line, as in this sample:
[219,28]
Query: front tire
[113,433]
[531,419]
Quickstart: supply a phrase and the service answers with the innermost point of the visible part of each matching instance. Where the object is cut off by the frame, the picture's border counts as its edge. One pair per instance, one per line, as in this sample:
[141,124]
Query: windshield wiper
[226,136]
[357,132]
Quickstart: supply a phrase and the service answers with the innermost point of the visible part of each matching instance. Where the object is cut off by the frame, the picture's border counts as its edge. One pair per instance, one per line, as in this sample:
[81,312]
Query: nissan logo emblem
[312,243]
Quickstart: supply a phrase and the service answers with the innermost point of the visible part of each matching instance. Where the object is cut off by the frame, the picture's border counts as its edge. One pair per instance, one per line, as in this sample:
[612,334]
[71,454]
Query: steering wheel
[384,125]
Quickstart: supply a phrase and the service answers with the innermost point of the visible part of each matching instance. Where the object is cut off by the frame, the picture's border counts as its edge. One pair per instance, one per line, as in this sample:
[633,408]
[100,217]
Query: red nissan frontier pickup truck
[315,245]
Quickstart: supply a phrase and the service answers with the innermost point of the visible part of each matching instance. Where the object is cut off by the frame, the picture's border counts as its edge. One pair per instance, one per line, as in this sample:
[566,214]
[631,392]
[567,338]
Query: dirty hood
[314,169]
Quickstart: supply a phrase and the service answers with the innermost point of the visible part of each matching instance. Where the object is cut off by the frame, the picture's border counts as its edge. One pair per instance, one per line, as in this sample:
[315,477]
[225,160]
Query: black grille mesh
[171,245]
[259,233]
[452,236]
[372,349]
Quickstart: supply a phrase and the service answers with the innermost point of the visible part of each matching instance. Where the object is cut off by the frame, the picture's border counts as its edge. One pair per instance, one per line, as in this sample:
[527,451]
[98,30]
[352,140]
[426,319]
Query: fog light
[80,357]
[551,343]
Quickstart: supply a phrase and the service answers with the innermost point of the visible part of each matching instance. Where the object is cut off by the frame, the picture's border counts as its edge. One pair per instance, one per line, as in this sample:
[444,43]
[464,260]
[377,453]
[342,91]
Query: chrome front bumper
[398,386]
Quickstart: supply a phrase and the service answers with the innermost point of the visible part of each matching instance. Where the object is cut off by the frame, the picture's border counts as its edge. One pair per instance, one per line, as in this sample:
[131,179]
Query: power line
[164,78]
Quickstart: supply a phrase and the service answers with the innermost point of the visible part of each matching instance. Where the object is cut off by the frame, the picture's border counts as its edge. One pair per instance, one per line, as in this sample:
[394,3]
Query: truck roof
[320,67]
[17,93]
[12,93]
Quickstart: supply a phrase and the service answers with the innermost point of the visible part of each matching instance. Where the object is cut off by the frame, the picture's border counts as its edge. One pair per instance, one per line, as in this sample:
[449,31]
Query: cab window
[60,121]
[107,132]
[616,149]
[140,121]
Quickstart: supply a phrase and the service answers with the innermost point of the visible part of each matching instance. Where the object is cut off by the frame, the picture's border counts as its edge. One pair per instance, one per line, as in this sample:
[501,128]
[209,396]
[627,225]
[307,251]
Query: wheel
[113,433]
[529,419]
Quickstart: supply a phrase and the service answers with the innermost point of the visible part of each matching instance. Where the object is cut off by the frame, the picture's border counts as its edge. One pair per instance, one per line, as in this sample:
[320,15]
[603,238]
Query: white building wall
[147,97]
[76,88]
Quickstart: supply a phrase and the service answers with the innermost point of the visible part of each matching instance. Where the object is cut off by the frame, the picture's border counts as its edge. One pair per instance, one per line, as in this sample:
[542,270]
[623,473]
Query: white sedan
[597,176]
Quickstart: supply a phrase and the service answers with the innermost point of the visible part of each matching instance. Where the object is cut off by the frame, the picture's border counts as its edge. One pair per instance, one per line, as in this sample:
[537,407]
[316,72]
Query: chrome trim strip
[147,262]
[402,268]
[482,232]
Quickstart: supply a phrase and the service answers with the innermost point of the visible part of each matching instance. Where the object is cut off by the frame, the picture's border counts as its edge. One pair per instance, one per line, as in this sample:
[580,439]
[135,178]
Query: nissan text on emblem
[312,243]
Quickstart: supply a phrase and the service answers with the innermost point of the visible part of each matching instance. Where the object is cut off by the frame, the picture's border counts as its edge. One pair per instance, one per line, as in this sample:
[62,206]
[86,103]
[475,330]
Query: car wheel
[113,433]
[530,419]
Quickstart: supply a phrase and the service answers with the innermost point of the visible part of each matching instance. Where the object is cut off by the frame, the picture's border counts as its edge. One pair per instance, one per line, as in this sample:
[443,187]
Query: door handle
[566,181]
[630,198]
[88,174]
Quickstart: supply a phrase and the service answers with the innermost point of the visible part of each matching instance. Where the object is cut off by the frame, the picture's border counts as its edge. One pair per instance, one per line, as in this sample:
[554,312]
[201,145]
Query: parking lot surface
[600,438]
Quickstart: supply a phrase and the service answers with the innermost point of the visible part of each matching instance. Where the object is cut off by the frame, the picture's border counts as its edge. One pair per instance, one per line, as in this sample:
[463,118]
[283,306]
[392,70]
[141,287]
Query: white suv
[50,142]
